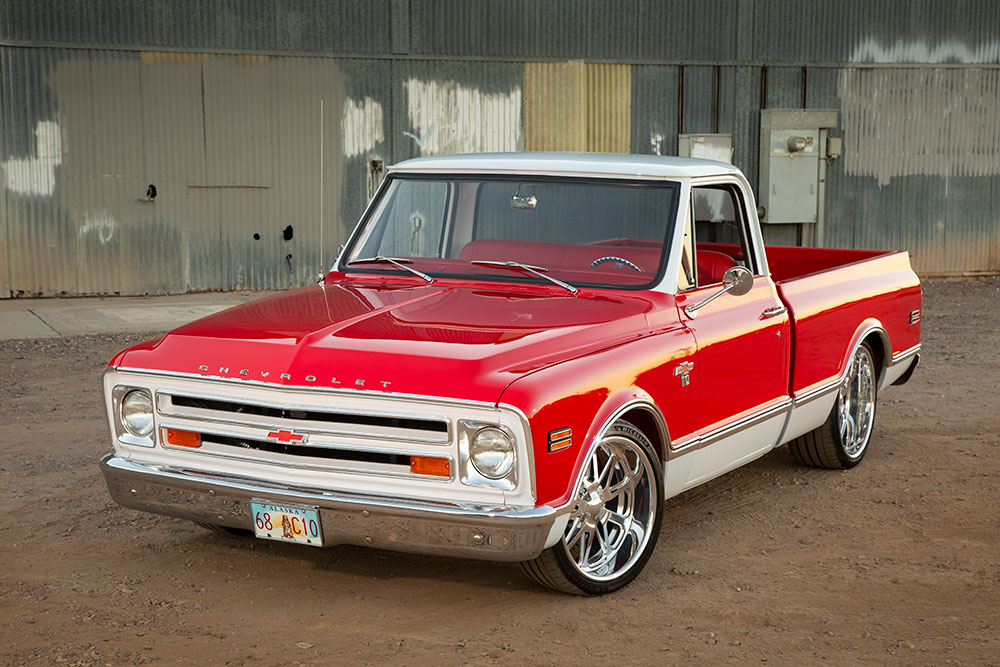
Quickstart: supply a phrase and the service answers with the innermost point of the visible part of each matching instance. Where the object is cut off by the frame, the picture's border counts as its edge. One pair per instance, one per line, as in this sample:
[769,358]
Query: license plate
[287,523]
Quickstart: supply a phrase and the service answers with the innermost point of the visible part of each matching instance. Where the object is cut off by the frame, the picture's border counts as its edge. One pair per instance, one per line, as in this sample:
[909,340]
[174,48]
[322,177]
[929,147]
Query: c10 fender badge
[684,369]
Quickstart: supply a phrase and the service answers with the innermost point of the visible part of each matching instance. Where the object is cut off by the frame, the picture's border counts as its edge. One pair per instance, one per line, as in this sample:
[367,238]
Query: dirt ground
[894,562]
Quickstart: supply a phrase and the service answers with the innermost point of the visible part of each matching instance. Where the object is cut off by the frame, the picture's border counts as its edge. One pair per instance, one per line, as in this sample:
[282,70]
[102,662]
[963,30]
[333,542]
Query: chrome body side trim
[899,357]
[728,430]
[428,527]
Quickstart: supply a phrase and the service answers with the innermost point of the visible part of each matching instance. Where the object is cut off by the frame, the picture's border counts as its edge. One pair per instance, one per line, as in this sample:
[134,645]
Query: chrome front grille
[299,434]
[307,419]
[416,425]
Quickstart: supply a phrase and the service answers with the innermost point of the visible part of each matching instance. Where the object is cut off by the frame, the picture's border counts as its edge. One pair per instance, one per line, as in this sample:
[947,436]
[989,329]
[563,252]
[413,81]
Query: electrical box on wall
[792,148]
[706,146]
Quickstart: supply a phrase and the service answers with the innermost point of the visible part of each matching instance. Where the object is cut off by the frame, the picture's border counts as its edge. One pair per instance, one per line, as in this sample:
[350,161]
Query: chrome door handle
[773,312]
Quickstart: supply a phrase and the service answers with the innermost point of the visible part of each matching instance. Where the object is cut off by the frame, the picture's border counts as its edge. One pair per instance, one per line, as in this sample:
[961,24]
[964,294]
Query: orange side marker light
[430,465]
[179,438]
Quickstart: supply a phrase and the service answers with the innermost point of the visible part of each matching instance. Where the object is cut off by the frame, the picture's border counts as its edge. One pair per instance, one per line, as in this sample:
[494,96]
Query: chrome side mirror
[736,281]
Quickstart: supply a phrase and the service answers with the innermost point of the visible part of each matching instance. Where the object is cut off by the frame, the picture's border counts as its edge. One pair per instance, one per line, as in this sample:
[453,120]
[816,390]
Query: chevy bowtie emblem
[286,436]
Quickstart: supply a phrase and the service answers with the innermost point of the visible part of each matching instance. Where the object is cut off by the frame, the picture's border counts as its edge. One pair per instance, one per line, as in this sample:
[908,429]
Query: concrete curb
[56,318]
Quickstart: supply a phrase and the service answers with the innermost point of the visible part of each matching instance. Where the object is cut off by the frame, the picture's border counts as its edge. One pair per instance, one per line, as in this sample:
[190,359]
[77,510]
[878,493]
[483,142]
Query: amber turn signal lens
[430,465]
[179,438]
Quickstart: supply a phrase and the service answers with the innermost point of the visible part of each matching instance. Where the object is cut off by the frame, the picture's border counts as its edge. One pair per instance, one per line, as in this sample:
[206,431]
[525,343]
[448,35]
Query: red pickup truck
[516,357]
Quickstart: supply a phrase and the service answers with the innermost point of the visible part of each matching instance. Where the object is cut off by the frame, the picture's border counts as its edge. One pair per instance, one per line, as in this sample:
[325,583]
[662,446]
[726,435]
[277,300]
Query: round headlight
[492,453]
[137,413]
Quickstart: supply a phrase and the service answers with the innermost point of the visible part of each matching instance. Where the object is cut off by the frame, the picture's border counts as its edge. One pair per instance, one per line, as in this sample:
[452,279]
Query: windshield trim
[343,265]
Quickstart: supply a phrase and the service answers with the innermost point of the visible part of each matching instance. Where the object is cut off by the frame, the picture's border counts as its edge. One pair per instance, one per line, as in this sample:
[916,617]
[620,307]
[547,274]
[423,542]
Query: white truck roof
[568,164]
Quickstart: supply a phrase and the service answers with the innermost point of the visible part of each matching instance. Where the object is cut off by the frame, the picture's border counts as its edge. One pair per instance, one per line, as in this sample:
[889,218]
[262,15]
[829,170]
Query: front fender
[586,394]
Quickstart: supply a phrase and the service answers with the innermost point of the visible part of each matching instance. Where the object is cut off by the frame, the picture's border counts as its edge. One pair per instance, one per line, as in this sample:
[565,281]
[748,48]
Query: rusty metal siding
[860,31]
[654,110]
[609,108]
[263,26]
[699,99]
[784,88]
[555,106]
[40,239]
[235,143]
[578,106]
[226,168]
[687,31]
[919,170]
[630,29]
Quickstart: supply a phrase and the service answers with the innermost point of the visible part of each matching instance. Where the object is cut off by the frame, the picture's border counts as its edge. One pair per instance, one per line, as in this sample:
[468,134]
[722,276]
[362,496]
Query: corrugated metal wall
[264,125]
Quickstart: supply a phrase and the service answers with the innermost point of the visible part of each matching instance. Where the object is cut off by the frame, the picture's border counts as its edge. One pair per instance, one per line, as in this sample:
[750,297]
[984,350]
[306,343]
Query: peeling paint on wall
[99,223]
[934,122]
[361,126]
[656,142]
[872,50]
[447,117]
[36,175]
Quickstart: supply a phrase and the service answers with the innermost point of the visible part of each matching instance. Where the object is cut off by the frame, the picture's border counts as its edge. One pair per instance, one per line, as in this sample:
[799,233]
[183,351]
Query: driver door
[743,342]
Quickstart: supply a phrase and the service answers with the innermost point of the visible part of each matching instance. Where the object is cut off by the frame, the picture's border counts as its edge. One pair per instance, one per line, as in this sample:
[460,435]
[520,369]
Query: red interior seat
[712,266]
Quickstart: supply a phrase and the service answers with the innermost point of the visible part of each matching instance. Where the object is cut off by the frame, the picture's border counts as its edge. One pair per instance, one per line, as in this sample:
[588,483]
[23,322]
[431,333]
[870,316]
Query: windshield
[599,233]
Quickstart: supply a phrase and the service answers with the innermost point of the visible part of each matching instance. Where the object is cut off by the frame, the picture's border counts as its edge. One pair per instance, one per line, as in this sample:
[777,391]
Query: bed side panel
[828,309]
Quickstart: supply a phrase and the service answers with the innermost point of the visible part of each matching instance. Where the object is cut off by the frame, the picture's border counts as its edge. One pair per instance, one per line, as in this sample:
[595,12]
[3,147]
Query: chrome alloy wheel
[616,503]
[856,404]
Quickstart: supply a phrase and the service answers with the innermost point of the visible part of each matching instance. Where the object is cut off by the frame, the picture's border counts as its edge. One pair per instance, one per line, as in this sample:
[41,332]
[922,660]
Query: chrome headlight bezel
[470,472]
[123,431]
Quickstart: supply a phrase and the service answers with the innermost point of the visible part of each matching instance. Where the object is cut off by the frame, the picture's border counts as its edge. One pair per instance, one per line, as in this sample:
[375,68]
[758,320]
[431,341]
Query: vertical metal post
[322,147]
[821,194]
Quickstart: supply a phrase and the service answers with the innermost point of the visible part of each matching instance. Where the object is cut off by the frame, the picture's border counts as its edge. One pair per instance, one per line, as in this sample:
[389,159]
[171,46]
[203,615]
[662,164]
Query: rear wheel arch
[878,343]
[872,333]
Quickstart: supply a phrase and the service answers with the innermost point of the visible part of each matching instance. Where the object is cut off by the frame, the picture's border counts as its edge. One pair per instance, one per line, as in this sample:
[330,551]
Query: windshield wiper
[535,270]
[398,262]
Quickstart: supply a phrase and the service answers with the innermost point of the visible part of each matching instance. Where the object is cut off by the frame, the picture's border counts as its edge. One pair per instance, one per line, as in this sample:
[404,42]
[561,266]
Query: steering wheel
[616,260]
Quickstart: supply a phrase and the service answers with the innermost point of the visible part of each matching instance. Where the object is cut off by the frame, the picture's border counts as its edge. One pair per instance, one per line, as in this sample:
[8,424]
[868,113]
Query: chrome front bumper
[435,528]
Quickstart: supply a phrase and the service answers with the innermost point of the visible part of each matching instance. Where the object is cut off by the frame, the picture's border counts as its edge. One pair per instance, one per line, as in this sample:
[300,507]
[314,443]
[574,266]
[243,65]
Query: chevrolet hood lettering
[246,373]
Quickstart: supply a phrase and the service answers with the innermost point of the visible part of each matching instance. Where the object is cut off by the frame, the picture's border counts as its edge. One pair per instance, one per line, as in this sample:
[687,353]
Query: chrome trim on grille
[214,379]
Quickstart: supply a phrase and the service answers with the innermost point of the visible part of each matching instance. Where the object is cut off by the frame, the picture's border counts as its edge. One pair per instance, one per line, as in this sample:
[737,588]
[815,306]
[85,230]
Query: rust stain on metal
[577,106]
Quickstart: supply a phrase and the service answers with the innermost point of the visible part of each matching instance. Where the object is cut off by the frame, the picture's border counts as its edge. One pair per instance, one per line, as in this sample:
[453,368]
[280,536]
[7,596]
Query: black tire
[628,521]
[836,444]
[225,530]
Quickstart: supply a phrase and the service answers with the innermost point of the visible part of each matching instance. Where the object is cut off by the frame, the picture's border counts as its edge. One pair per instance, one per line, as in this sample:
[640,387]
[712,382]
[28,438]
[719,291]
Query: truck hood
[453,340]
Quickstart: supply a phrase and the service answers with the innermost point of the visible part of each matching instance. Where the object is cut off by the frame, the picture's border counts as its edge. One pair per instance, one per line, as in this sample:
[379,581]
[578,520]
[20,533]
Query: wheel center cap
[592,503]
